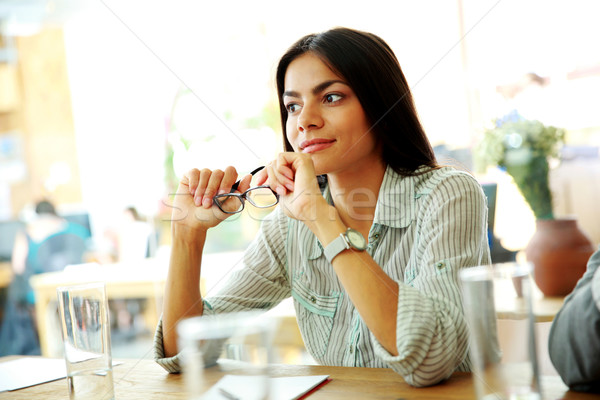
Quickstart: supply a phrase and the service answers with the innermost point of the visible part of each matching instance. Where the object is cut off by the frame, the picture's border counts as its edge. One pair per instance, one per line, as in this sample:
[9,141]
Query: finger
[185,181]
[284,171]
[261,176]
[229,178]
[284,180]
[274,183]
[212,188]
[295,160]
[201,185]
[245,183]
[285,164]
[301,164]
[191,179]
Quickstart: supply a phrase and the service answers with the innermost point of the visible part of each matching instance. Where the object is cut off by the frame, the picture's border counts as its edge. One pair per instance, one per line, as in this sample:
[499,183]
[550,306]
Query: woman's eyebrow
[316,90]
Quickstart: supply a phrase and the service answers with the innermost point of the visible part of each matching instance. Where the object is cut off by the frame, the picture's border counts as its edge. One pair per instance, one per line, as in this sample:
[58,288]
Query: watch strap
[334,248]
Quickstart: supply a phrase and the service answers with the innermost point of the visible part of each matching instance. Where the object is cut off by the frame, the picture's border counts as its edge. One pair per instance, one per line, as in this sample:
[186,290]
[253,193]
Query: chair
[498,253]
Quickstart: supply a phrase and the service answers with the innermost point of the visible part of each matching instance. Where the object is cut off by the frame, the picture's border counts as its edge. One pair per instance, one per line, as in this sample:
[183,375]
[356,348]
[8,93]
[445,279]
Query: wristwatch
[349,239]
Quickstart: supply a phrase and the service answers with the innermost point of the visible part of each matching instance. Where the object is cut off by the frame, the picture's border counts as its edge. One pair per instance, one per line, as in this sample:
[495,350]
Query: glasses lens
[229,204]
[261,197]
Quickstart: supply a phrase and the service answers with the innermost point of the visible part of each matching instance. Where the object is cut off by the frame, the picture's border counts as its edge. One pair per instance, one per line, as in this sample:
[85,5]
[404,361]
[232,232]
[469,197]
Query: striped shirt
[425,228]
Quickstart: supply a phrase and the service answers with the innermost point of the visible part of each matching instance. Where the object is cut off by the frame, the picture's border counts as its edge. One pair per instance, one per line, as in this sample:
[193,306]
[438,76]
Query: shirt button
[440,265]
[313,299]
[351,349]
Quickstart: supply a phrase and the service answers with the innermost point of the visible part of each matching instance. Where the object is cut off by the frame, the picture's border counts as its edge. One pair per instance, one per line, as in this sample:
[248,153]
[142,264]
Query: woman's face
[325,118]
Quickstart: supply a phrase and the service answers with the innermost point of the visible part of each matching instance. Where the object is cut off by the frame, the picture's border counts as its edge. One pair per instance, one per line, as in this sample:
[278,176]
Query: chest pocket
[315,315]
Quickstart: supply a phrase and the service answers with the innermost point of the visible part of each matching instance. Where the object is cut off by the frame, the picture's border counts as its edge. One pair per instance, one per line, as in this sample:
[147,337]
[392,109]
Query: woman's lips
[311,146]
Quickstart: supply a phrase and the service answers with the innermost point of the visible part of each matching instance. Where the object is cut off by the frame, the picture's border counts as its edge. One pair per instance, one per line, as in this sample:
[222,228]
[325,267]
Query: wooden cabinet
[9,88]
[35,104]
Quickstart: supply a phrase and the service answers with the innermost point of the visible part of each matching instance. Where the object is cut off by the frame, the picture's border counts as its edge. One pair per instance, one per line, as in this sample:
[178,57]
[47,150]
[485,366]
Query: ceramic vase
[559,251]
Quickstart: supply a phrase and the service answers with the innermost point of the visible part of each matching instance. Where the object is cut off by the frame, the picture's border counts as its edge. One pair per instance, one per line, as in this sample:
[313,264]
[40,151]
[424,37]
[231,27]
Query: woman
[390,297]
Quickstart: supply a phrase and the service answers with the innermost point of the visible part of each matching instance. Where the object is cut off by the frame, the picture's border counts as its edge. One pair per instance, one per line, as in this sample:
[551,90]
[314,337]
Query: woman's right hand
[193,208]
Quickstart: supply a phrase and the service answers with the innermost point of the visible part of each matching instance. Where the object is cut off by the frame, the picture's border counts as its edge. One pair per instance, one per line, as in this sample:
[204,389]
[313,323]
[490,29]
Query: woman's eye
[332,98]
[292,108]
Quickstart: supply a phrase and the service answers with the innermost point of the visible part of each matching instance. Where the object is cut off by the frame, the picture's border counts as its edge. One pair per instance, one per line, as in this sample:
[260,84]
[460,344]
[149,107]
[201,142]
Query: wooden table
[145,279]
[544,307]
[145,380]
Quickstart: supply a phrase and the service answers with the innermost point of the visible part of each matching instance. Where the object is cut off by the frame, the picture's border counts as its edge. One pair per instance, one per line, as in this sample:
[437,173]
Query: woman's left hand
[292,176]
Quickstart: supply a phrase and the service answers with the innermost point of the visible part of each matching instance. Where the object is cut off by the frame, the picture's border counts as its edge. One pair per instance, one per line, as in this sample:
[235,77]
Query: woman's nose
[309,118]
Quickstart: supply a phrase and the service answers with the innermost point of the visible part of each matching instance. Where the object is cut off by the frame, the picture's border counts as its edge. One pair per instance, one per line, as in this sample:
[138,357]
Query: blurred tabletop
[143,279]
[144,379]
[544,307]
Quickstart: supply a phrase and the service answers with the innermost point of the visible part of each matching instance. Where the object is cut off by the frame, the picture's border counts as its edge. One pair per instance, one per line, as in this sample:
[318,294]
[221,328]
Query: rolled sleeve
[428,338]
[170,364]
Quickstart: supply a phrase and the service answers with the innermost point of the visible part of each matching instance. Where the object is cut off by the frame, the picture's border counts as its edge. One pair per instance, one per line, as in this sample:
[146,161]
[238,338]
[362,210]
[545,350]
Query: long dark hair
[371,69]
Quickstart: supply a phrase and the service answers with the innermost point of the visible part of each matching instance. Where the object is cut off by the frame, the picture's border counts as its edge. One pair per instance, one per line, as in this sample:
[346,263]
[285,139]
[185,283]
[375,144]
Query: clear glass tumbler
[498,309]
[226,356]
[86,338]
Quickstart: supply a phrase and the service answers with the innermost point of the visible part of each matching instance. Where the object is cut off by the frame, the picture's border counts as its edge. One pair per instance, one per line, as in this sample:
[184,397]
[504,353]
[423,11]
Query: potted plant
[559,250]
[522,148]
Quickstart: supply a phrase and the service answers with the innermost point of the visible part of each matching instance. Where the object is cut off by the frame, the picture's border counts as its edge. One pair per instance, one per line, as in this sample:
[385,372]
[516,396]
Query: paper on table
[294,387]
[282,388]
[30,371]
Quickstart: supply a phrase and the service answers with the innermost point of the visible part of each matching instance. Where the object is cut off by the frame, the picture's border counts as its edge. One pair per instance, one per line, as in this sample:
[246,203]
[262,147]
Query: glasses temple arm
[235,185]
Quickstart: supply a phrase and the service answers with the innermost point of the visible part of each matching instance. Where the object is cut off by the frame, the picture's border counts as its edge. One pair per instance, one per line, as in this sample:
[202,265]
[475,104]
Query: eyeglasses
[260,196]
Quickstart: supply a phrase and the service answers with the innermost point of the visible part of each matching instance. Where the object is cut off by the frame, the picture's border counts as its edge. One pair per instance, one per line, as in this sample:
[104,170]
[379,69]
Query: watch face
[356,239]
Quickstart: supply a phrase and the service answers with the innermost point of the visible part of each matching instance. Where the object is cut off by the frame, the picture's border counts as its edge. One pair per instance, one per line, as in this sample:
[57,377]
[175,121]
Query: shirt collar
[395,204]
[396,201]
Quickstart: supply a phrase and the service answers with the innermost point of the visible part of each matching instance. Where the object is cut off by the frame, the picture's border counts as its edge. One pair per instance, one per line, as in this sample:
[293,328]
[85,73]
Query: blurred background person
[48,243]
[135,239]
[132,239]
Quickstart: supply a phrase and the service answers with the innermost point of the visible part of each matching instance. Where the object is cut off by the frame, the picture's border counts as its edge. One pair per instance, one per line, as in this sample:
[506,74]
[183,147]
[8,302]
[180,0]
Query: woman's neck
[355,195]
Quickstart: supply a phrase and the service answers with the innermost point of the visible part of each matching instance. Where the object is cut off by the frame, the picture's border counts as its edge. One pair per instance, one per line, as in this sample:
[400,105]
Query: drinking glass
[235,347]
[86,338]
[498,308]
